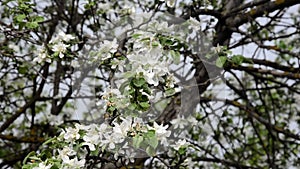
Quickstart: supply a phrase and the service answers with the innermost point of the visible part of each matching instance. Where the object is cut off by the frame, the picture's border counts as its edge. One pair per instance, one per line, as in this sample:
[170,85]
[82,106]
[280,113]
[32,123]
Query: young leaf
[32,25]
[138,82]
[182,150]
[151,139]
[238,59]
[221,61]
[170,92]
[145,105]
[176,56]
[150,151]
[137,140]
[20,18]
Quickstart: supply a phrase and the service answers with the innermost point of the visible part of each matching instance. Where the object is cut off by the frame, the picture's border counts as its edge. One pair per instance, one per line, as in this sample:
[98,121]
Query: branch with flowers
[141,77]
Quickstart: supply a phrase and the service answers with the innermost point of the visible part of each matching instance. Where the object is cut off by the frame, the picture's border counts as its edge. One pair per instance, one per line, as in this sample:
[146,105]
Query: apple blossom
[92,137]
[65,37]
[171,3]
[161,132]
[42,55]
[60,48]
[42,165]
[107,48]
[65,153]
[61,36]
[179,122]
[180,143]
[74,163]
[110,141]
[71,134]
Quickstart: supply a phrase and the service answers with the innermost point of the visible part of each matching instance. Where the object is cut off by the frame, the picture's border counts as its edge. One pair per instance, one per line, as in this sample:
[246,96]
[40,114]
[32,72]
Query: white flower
[109,92]
[179,144]
[75,163]
[218,48]
[149,62]
[179,122]
[170,82]
[42,55]
[65,153]
[82,127]
[71,134]
[104,6]
[61,37]
[91,146]
[161,27]
[192,121]
[161,132]
[65,37]
[42,165]
[60,48]
[194,24]
[122,129]
[102,128]
[107,48]
[171,3]
[75,64]
[14,47]
[110,141]
[92,137]
[151,78]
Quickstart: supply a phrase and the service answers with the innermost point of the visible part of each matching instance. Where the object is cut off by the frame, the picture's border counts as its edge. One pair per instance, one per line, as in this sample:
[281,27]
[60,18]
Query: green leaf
[39,19]
[142,98]
[166,41]
[137,140]
[20,17]
[170,92]
[128,74]
[176,56]
[221,61]
[32,25]
[144,105]
[49,141]
[182,150]
[150,151]
[22,70]
[237,59]
[150,133]
[137,35]
[132,106]
[150,138]
[111,109]
[139,82]
[155,43]
[146,88]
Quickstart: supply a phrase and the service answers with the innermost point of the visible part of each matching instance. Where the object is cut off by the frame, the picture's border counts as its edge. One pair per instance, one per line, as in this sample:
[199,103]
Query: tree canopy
[149,84]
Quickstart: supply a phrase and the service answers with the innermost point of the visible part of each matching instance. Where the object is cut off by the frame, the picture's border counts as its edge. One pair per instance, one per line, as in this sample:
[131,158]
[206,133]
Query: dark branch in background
[22,110]
[251,112]
[223,162]
[258,11]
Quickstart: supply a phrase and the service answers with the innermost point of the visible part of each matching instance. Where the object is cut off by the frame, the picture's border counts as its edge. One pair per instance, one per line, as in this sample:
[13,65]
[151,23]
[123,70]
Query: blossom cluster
[97,138]
[59,47]
[139,73]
